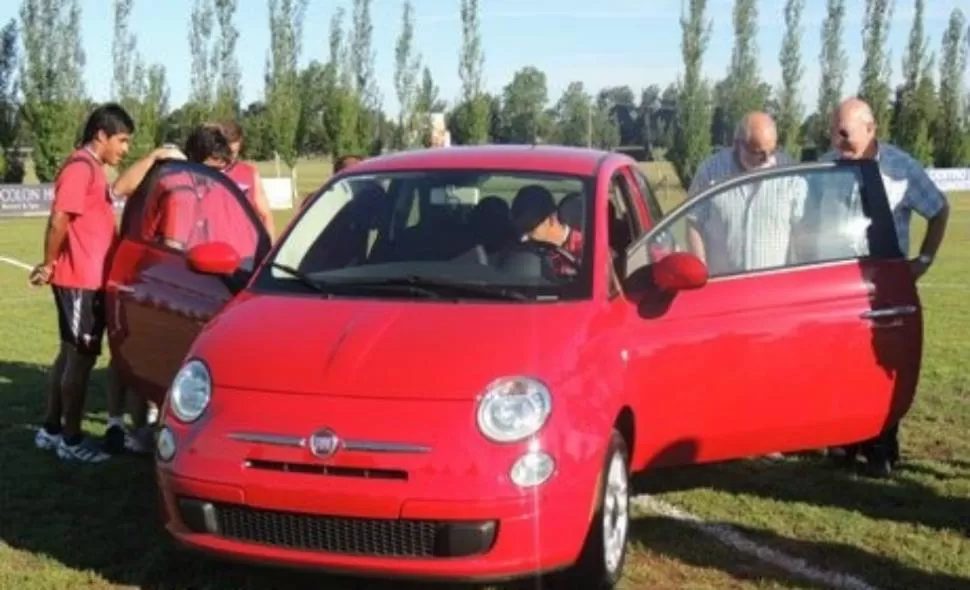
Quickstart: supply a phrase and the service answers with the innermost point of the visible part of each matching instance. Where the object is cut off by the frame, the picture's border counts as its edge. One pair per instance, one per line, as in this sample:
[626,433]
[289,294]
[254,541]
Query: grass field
[72,527]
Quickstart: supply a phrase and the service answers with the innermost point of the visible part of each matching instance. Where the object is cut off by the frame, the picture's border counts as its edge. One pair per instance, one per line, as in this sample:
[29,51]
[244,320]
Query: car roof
[531,158]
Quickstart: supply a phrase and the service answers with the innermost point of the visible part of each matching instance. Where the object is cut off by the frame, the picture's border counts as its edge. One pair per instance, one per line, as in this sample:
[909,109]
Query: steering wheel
[547,251]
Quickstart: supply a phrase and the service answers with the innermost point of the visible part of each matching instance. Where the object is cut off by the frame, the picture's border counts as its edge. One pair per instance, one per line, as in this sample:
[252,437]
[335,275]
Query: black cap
[532,205]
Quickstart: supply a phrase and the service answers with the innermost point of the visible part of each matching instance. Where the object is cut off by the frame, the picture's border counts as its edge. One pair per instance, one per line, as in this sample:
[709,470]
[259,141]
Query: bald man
[745,229]
[909,189]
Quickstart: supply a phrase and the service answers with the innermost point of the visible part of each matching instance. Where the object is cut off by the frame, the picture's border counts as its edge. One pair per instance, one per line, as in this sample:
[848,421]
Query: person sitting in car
[536,218]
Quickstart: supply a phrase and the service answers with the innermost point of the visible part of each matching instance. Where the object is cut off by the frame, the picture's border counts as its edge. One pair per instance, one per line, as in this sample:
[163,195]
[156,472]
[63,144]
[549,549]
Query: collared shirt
[750,226]
[908,188]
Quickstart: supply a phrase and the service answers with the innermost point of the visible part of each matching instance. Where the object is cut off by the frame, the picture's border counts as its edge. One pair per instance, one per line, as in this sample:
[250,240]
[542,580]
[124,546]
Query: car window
[788,219]
[624,225]
[185,207]
[649,198]
[446,225]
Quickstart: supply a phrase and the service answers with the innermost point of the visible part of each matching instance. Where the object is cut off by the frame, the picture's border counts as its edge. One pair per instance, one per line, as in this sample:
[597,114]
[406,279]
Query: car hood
[389,349]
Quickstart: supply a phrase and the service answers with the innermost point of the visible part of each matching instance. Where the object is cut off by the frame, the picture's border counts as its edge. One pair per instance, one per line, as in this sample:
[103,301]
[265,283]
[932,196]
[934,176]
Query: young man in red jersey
[81,231]
[246,176]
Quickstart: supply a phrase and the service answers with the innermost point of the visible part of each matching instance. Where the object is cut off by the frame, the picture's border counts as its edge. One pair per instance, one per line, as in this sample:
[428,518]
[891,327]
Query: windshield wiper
[301,276]
[434,286]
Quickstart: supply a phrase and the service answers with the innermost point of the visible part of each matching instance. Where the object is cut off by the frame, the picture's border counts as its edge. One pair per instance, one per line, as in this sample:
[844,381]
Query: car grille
[382,538]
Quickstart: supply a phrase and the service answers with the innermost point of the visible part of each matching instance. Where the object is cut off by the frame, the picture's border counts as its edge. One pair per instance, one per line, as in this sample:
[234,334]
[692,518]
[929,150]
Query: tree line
[335,105]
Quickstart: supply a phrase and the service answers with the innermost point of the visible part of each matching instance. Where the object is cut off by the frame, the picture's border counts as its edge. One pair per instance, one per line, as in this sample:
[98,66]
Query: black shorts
[80,317]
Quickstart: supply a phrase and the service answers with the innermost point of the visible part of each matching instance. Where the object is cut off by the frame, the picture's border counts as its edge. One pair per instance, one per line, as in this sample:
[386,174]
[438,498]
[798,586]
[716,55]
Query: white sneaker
[46,441]
[86,451]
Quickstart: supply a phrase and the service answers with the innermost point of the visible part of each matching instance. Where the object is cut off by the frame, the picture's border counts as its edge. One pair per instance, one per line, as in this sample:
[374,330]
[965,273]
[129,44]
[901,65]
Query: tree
[201,94]
[282,77]
[925,113]
[692,135]
[951,127]
[574,117]
[407,67]
[743,85]
[790,110]
[229,87]
[876,69]
[913,121]
[523,106]
[471,65]
[54,104]
[342,109]
[834,63]
[11,170]
[362,59]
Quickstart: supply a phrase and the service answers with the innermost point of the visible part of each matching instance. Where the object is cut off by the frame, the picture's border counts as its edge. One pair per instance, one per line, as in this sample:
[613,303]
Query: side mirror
[214,258]
[679,271]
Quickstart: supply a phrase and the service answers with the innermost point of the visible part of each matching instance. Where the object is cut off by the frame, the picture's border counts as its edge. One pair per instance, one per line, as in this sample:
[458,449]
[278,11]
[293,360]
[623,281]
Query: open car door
[808,330]
[155,303]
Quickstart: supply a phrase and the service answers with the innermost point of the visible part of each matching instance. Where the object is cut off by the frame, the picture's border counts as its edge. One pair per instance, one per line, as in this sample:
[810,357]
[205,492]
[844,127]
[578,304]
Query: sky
[601,43]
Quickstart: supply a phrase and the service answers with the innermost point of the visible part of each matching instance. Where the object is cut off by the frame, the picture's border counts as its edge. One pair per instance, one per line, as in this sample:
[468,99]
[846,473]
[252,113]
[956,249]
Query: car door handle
[889,312]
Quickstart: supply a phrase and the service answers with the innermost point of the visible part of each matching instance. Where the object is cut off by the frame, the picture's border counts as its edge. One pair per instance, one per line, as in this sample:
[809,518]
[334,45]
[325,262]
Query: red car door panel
[821,349]
[156,304]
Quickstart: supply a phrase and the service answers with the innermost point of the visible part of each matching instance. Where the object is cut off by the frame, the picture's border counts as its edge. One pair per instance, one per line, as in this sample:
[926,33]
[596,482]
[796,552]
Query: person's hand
[918,268]
[169,152]
[41,275]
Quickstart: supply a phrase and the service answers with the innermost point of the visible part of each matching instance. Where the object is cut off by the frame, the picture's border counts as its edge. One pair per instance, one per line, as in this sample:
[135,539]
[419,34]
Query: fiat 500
[452,360]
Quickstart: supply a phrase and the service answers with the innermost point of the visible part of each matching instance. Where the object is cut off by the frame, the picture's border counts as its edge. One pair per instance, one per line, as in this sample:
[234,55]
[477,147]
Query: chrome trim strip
[278,440]
[364,446]
[358,446]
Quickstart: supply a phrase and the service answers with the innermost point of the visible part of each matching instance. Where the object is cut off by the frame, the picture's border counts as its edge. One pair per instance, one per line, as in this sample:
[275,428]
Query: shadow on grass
[820,483]
[680,541]
[104,518]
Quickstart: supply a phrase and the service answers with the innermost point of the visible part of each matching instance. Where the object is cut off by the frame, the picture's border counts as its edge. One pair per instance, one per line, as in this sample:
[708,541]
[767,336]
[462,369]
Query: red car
[410,383]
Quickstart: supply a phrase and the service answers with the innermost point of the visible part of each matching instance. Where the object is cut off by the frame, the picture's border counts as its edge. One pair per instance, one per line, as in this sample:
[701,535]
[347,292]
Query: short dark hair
[532,205]
[346,160]
[112,118]
[207,141]
[232,130]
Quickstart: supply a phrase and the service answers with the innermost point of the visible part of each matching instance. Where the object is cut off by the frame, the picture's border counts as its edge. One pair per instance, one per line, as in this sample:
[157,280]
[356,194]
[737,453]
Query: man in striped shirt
[749,227]
[909,189]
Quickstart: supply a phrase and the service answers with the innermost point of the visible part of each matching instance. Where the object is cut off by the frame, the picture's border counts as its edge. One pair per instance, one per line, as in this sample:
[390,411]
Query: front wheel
[601,562]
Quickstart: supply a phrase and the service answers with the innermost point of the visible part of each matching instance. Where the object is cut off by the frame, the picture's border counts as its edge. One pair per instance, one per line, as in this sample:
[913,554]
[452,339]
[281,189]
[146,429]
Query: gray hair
[742,132]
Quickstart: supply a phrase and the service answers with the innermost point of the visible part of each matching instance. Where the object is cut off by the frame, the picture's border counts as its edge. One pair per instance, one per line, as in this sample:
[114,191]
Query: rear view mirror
[679,271]
[214,258]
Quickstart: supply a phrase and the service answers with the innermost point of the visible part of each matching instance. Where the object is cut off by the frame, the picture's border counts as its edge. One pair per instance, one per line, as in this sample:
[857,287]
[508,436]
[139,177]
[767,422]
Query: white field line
[735,540]
[17,263]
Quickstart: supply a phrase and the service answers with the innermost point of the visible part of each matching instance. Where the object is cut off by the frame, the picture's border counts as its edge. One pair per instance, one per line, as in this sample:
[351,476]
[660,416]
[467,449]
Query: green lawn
[72,527]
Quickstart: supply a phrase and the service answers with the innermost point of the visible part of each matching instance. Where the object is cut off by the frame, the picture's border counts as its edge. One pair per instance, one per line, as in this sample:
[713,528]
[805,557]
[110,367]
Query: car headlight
[191,391]
[513,408]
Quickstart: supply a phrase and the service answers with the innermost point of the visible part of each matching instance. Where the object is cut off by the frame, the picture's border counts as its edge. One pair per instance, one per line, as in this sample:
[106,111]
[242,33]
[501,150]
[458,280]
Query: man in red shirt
[536,218]
[246,176]
[80,234]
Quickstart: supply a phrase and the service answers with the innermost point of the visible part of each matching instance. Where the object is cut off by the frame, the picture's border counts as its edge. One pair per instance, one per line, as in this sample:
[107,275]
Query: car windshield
[441,234]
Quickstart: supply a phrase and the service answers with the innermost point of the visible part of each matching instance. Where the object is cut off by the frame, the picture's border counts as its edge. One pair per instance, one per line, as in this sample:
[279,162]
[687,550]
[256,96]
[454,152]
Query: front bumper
[482,540]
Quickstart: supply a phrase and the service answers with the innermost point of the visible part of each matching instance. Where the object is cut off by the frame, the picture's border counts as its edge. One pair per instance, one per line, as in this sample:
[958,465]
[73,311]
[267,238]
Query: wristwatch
[925,259]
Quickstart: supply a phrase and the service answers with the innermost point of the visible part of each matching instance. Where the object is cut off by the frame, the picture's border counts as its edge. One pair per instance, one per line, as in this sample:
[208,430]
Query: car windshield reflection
[441,234]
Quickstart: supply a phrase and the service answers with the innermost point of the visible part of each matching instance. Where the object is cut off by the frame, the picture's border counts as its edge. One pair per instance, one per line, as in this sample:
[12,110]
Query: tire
[600,565]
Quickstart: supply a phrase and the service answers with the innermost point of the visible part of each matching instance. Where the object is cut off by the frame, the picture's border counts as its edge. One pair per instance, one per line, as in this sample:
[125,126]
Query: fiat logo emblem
[324,443]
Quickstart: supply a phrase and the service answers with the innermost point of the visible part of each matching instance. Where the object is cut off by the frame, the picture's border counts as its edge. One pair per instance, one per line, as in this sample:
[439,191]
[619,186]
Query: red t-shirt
[194,210]
[244,175]
[81,190]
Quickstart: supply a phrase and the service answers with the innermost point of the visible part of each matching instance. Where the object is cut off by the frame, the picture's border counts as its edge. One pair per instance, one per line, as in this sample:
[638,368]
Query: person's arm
[263,211]
[126,183]
[928,200]
[70,190]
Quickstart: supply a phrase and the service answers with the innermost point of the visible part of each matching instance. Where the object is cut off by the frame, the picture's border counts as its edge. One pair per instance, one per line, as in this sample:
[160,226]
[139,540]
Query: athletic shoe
[86,451]
[114,439]
[46,441]
[141,441]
